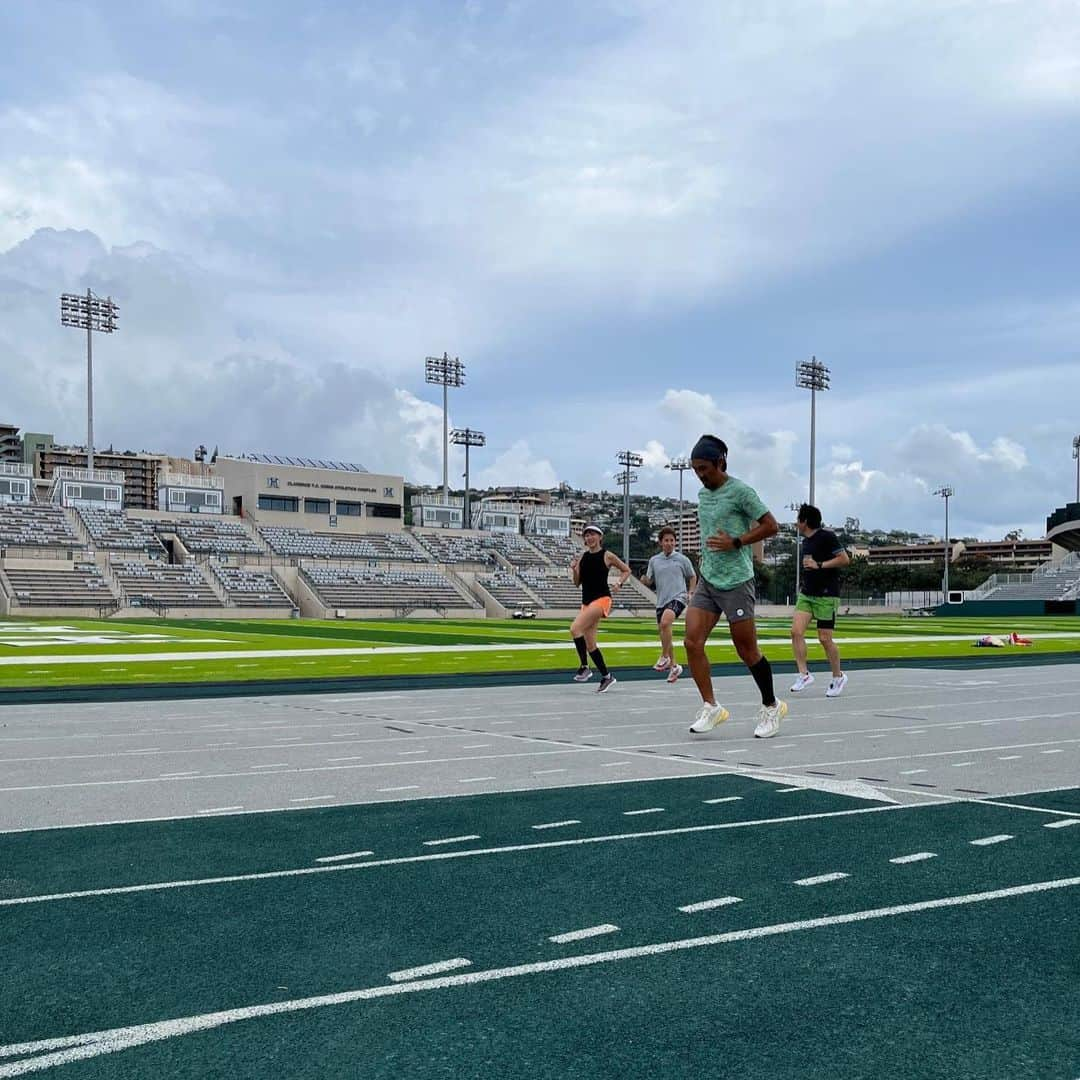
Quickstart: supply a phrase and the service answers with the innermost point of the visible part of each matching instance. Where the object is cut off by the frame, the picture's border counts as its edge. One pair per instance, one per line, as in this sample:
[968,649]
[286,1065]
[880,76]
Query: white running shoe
[674,673]
[584,675]
[708,717]
[662,664]
[836,687]
[769,724]
[802,682]
[606,683]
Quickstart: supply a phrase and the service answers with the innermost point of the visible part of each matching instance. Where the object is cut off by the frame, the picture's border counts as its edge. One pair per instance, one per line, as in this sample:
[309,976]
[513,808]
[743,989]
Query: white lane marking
[429,969]
[476,746]
[648,810]
[451,840]
[580,935]
[1051,751]
[726,798]
[1064,823]
[475,779]
[177,775]
[708,905]
[912,772]
[787,790]
[402,787]
[546,772]
[821,879]
[339,858]
[273,765]
[1011,757]
[356,757]
[267,875]
[919,856]
[412,753]
[615,764]
[986,840]
[312,798]
[557,824]
[109,1041]
[220,809]
[832,740]
[960,764]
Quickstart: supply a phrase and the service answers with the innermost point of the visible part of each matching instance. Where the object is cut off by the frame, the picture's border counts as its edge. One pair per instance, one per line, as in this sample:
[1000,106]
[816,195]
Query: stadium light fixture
[467,437]
[946,493]
[628,459]
[90,313]
[812,375]
[1076,455]
[444,372]
[679,465]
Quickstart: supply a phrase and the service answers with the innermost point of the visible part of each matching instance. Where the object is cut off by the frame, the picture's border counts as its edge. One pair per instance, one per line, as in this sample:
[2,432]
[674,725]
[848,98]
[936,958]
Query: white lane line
[726,798]
[648,810]
[339,858]
[1063,824]
[274,765]
[832,740]
[313,798]
[580,935]
[919,856]
[357,757]
[986,840]
[476,746]
[708,905]
[960,764]
[267,875]
[412,753]
[821,879]
[546,772]
[176,775]
[94,1044]
[912,772]
[557,824]
[615,764]
[220,809]
[1011,757]
[429,969]
[787,790]
[451,840]
[402,787]
[1051,751]
[475,779]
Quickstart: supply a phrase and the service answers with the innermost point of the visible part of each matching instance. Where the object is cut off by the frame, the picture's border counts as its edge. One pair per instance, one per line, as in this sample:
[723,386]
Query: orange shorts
[603,602]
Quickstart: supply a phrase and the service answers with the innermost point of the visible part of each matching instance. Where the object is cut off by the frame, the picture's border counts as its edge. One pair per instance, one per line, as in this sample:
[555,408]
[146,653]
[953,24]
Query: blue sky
[629,218]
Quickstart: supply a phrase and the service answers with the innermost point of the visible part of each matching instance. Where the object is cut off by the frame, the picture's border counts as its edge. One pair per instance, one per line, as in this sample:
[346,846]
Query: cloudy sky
[629,218]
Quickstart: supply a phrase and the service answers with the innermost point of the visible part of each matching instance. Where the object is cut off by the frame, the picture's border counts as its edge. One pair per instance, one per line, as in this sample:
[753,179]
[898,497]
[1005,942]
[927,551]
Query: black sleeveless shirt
[593,572]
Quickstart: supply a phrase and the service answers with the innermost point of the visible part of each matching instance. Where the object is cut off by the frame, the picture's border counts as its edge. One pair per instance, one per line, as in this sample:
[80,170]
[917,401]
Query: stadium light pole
[798,568]
[444,372]
[812,375]
[628,459]
[467,437]
[1076,455]
[946,493]
[679,465]
[89,313]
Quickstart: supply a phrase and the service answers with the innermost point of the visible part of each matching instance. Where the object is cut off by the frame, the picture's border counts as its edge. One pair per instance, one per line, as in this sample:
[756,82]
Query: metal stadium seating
[80,586]
[35,525]
[159,584]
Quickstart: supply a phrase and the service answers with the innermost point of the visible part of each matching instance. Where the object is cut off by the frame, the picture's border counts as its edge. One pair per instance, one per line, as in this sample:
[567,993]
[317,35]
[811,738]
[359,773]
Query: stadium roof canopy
[303,462]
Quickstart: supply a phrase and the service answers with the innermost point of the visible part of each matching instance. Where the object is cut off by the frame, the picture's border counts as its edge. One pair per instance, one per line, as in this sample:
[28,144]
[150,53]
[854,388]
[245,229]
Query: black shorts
[675,605]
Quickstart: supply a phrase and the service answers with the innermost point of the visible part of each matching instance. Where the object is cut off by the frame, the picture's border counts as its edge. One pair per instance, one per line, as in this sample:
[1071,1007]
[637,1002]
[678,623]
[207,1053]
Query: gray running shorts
[736,605]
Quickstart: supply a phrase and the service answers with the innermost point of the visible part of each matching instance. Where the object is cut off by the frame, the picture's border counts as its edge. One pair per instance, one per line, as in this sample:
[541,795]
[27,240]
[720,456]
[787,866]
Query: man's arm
[647,577]
[840,559]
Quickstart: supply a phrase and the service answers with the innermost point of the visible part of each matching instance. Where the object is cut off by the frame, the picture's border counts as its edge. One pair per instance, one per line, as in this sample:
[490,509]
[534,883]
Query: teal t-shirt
[731,507]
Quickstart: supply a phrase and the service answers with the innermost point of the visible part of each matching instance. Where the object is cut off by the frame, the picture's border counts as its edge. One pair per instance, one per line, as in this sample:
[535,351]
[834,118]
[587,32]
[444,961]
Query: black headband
[709,448]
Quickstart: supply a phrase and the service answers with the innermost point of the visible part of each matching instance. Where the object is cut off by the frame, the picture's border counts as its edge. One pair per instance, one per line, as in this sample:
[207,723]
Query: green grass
[276,642]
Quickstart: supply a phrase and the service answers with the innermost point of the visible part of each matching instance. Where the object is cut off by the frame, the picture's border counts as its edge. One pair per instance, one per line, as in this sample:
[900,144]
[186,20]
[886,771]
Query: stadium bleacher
[250,588]
[515,549]
[113,530]
[302,543]
[35,525]
[205,534]
[558,549]
[461,548]
[80,586]
[364,587]
[508,589]
[161,584]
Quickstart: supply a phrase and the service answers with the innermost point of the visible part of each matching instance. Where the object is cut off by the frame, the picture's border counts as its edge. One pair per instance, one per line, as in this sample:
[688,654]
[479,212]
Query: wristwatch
[737,542]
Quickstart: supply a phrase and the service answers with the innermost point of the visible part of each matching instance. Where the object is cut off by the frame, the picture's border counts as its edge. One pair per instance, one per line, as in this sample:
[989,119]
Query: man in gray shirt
[672,575]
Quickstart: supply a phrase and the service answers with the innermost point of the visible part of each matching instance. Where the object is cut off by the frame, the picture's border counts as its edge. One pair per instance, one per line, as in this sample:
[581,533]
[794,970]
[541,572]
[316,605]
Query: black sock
[579,644]
[763,677]
[598,660]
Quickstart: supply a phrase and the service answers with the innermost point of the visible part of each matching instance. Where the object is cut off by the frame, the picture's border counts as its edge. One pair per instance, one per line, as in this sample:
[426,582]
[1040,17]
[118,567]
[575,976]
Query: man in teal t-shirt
[732,518]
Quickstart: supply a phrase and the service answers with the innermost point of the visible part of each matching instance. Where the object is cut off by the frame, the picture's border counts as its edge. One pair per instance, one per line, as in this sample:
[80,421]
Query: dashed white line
[340,858]
[177,775]
[648,810]
[821,879]
[357,757]
[1064,823]
[960,764]
[546,772]
[451,840]
[708,905]
[1011,757]
[220,809]
[275,765]
[475,779]
[557,824]
[409,974]
[614,764]
[986,840]
[911,772]
[403,787]
[919,856]
[787,790]
[1051,751]
[726,798]
[477,746]
[579,935]
[313,798]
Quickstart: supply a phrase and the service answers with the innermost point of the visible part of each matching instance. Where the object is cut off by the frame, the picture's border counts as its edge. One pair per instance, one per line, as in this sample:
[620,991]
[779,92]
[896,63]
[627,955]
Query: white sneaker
[708,717]
[836,687]
[769,724]
[674,673]
[802,682]
[662,664]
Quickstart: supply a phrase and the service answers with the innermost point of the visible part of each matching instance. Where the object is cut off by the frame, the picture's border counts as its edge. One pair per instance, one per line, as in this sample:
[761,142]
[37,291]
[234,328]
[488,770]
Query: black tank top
[593,572]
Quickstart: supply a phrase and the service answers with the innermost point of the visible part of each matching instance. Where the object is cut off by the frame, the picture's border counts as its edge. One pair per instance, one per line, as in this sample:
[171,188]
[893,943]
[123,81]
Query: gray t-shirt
[671,574]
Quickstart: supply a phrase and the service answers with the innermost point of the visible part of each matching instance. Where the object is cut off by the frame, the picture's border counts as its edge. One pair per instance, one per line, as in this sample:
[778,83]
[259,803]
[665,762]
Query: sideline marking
[1063,824]
[708,905]
[919,856]
[579,935]
[267,875]
[991,840]
[339,858]
[726,798]
[821,879]
[96,1043]
[451,840]
[429,969]
[556,824]
[650,810]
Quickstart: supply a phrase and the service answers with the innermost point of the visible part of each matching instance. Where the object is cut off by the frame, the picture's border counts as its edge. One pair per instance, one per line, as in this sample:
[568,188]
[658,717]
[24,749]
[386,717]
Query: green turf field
[59,653]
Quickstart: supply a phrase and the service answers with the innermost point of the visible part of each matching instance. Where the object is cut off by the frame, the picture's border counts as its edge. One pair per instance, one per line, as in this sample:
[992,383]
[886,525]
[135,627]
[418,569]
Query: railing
[192,481]
[92,476]
[9,469]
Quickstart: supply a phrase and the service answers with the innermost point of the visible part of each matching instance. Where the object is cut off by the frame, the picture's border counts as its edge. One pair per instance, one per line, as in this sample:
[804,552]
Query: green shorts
[823,609]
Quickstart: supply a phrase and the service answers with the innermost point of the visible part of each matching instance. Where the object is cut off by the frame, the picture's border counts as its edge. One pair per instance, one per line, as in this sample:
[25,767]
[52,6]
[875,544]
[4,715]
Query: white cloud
[518,465]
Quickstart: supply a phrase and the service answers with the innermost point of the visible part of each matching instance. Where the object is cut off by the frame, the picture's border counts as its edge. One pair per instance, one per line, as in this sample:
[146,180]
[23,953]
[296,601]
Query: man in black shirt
[819,596]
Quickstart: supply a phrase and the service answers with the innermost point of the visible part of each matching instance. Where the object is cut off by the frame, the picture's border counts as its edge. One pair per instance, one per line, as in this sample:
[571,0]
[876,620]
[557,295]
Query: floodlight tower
[812,375]
[679,465]
[467,437]
[1076,454]
[444,372]
[629,460]
[89,313]
[946,493]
